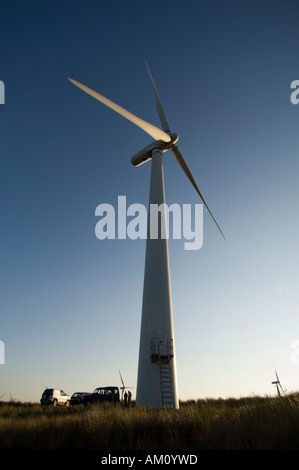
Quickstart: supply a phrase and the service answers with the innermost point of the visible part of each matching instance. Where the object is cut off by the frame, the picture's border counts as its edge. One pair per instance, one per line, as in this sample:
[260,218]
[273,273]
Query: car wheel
[55,403]
[67,403]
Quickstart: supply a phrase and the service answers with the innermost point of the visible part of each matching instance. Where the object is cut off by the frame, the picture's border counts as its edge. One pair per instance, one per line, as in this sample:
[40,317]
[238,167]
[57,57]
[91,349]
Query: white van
[54,396]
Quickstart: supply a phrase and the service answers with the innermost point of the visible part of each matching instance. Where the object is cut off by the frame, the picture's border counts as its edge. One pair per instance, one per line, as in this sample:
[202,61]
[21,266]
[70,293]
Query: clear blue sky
[70,304]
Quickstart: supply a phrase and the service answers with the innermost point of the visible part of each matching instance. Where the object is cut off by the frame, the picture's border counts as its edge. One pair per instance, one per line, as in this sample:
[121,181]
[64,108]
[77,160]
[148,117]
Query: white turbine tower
[157,382]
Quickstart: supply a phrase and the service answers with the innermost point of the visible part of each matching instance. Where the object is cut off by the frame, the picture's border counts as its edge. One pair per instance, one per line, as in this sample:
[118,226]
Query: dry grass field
[255,423]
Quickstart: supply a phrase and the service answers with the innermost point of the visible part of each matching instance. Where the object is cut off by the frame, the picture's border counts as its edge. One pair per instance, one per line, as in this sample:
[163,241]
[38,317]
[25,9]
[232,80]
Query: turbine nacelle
[146,154]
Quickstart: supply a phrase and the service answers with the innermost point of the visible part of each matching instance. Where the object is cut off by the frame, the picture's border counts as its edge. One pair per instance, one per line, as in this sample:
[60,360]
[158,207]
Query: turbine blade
[160,109]
[121,379]
[276,375]
[150,129]
[189,175]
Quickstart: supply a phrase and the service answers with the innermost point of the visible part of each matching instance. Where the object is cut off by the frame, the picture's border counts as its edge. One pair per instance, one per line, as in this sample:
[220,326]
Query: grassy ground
[233,424]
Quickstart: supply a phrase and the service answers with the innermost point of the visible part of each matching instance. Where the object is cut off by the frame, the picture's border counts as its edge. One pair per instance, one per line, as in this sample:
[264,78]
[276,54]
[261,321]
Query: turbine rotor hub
[146,154]
[174,138]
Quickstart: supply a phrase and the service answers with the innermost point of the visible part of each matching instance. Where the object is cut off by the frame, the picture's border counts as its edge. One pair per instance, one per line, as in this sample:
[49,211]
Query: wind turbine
[123,387]
[278,385]
[11,398]
[156,382]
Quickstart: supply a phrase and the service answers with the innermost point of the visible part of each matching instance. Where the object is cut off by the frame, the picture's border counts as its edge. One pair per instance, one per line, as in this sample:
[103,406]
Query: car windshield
[103,391]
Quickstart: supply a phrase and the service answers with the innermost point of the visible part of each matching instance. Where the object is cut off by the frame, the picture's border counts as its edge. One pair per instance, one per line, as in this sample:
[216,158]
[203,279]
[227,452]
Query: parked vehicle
[76,398]
[100,395]
[54,396]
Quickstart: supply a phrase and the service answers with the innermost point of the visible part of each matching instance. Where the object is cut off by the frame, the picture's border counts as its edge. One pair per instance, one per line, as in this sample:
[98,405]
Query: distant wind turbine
[11,398]
[157,382]
[278,385]
[123,386]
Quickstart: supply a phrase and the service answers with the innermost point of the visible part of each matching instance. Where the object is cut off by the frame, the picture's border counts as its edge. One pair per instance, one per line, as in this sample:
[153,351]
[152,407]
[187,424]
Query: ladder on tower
[162,353]
[166,386]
